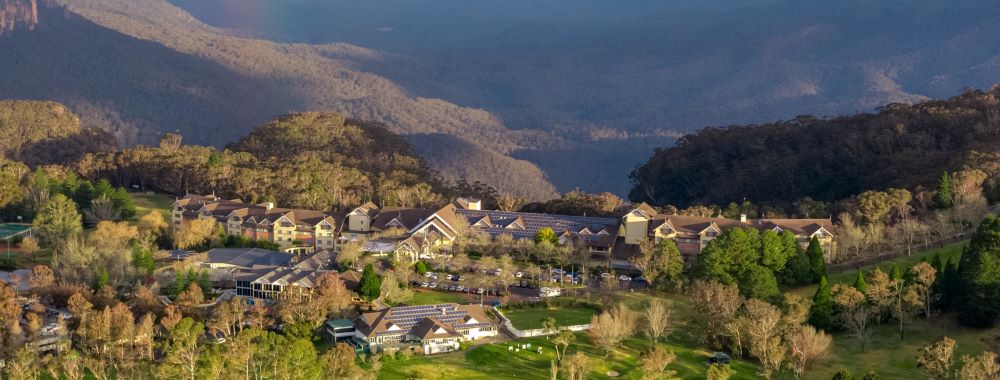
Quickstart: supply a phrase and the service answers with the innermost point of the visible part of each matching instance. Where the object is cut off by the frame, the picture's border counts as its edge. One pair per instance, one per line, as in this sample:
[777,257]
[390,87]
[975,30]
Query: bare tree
[935,360]
[763,326]
[806,346]
[576,366]
[610,328]
[923,279]
[658,318]
[654,363]
[509,203]
[906,303]
[982,367]
[717,304]
[880,291]
[854,313]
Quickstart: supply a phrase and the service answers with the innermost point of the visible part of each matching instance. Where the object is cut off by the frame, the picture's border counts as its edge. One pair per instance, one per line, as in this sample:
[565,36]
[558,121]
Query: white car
[424,285]
[433,285]
[606,275]
[519,274]
[428,274]
[460,288]
[449,276]
[624,278]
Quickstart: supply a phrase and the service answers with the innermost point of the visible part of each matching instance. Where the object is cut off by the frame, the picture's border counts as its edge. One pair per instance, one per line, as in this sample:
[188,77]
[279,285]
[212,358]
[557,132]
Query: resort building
[430,328]
[296,230]
[596,234]
[693,233]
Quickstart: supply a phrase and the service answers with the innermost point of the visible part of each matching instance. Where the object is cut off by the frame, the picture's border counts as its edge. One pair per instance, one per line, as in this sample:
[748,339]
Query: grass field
[430,297]
[886,353]
[531,317]
[497,362]
[146,202]
[890,356]
[951,252]
[894,358]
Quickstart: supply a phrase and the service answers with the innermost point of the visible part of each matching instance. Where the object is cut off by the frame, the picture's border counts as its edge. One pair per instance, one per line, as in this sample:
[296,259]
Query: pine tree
[859,283]
[370,285]
[978,280]
[942,196]
[895,273]
[817,263]
[822,310]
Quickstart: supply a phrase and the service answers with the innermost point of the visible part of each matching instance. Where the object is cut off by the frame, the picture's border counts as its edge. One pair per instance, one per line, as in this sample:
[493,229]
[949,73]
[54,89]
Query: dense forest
[828,159]
[46,133]
[316,161]
[142,68]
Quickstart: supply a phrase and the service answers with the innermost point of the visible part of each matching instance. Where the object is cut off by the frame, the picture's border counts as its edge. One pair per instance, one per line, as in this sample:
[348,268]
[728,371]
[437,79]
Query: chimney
[470,203]
[743,218]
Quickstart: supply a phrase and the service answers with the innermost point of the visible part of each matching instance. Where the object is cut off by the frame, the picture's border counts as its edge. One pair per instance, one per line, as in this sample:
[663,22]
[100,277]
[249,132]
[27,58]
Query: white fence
[536,332]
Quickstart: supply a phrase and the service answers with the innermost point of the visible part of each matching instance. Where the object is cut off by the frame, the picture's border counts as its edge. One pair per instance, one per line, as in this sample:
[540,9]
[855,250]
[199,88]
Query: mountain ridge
[149,68]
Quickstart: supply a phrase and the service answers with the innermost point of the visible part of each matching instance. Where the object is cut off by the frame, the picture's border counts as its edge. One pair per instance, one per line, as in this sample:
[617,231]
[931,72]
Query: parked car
[639,279]
[424,285]
[433,285]
[428,274]
[452,287]
[624,278]
[606,275]
[450,276]
[719,358]
[519,274]
[460,288]
[549,292]
[480,291]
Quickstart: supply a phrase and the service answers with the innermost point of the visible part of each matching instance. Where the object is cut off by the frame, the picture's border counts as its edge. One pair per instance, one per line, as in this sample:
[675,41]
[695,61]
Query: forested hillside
[36,132]
[313,160]
[140,68]
[901,146]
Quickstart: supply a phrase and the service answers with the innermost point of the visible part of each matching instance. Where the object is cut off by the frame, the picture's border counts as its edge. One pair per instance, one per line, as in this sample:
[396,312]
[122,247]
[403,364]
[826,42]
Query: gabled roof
[425,321]
[595,231]
[319,260]
[399,217]
[645,210]
[799,227]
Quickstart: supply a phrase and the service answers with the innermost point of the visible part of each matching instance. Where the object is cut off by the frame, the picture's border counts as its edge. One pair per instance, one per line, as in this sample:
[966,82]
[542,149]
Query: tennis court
[12,230]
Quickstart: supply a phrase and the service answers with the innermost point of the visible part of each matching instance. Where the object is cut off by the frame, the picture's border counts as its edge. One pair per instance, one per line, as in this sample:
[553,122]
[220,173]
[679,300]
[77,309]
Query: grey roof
[319,260]
[248,257]
[524,225]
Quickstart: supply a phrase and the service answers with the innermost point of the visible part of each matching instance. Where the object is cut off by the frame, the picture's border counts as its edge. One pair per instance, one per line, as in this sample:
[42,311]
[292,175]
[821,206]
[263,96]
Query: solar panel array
[407,317]
[534,222]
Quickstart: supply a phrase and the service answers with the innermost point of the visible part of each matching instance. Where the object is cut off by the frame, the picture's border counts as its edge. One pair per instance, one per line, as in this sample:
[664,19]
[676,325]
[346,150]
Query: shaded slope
[902,146]
[142,67]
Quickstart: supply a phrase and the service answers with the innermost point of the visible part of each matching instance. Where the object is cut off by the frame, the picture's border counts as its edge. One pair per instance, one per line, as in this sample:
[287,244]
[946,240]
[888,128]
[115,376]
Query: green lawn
[531,317]
[891,357]
[894,358]
[146,202]
[495,361]
[432,297]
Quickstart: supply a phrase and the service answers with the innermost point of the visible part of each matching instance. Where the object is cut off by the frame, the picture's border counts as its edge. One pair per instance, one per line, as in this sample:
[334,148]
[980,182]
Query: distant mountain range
[596,71]
[139,68]
[527,96]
